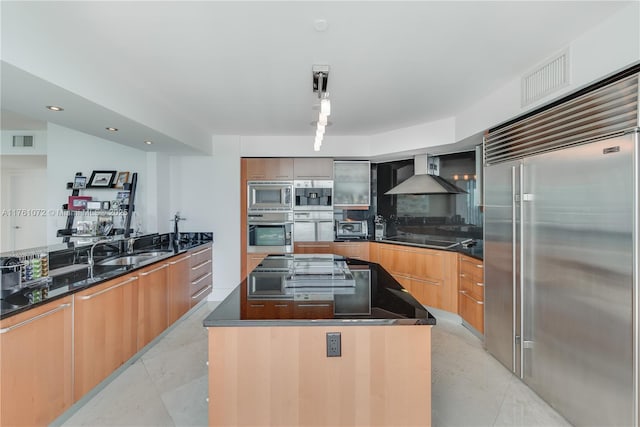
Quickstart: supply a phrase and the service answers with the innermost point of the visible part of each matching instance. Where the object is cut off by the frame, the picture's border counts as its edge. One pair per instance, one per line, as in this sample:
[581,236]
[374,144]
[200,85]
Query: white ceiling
[244,68]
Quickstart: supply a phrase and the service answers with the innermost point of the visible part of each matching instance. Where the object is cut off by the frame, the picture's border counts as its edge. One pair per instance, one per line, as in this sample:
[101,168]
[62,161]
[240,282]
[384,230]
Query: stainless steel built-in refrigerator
[561,253]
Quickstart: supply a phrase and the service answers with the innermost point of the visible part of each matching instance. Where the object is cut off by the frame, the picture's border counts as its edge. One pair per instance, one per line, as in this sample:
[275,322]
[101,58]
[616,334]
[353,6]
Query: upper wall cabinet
[351,183]
[312,168]
[267,169]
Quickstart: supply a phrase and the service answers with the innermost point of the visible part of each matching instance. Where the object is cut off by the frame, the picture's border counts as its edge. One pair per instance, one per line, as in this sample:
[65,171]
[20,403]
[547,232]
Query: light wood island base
[281,376]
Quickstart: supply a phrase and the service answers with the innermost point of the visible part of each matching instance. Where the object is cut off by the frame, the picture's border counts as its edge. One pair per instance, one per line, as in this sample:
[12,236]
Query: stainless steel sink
[129,259]
[153,253]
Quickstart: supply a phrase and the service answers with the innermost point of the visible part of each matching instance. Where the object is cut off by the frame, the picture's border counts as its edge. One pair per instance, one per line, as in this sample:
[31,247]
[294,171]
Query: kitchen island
[272,340]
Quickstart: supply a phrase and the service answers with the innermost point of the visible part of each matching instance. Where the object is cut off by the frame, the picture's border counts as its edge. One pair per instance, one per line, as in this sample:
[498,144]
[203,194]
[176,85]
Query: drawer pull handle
[40,316]
[146,273]
[179,260]
[281,305]
[257,305]
[195,267]
[85,297]
[313,305]
[480,284]
[202,292]
[471,298]
[202,251]
[195,282]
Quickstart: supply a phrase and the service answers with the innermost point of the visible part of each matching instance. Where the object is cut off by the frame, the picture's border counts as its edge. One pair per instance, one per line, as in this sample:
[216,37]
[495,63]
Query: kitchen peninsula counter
[268,345]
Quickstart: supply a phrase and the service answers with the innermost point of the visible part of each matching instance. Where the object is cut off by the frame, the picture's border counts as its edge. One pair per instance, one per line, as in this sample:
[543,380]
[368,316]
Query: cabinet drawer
[472,287]
[471,310]
[471,267]
[201,254]
[200,294]
[313,310]
[198,270]
[259,309]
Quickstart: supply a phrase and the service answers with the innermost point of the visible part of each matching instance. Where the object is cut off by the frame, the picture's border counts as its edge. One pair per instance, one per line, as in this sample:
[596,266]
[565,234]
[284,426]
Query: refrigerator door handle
[521,262]
[514,199]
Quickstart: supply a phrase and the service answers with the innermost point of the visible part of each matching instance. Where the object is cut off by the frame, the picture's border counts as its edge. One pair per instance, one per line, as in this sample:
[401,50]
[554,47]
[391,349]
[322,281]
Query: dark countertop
[80,277]
[438,242]
[363,294]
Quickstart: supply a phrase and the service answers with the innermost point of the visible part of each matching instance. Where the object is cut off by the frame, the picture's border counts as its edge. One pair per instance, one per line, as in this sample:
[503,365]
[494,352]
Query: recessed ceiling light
[148,142]
[54,108]
[110,129]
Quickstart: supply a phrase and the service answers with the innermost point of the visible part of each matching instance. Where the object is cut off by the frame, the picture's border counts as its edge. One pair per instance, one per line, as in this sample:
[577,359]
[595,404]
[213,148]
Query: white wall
[158,199]
[70,151]
[206,191]
[302,146]
[612,45]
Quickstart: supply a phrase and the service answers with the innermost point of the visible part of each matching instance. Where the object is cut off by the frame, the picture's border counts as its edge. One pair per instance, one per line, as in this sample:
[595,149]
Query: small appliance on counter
[352,230]
[379,228]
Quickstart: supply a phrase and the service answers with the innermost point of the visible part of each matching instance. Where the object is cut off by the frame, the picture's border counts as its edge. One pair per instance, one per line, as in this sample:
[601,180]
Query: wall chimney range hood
[426,179]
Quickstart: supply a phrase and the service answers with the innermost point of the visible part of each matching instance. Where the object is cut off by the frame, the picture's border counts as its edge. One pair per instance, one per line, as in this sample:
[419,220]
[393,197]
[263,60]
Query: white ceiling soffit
[10,120]
[244,68]
[28,95]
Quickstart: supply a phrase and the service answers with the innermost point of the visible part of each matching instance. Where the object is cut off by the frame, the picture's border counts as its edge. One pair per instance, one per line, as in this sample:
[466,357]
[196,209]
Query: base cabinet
[269,309]
[179,287]
[200,275]
[153,304]
[471,292]
[357,250]
[104,331]
[36,364]
[430,275]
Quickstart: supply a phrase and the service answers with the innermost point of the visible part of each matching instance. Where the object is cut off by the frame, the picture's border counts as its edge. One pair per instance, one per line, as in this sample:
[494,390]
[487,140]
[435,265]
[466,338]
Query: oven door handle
[269,223]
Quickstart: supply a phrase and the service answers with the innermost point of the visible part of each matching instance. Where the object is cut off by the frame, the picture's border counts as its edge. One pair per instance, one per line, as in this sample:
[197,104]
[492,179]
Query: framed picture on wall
[102,179]
[78,203]
[79,182]
[121,180]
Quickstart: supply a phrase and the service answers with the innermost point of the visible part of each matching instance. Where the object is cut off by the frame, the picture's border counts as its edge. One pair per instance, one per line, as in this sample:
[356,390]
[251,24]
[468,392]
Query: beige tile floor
[167,385]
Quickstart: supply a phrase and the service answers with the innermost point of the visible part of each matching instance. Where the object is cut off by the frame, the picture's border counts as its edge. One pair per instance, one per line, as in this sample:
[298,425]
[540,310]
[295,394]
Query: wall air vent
[23,140]
[598,113]
[546,79]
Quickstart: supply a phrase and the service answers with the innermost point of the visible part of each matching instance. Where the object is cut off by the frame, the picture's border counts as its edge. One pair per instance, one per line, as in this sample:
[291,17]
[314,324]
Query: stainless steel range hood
[425,180]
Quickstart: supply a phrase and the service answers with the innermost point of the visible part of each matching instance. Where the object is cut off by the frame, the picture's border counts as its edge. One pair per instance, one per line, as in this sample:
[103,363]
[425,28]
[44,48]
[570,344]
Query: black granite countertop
[73,278]
[471,247]
[345,291]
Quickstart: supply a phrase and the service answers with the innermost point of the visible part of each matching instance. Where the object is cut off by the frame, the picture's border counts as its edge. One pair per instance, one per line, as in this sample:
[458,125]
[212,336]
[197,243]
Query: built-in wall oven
[269,195]
[312,195]
[270,232]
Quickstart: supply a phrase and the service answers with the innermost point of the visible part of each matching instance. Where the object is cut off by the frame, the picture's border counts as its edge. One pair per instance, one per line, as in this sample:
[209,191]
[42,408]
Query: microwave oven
[269,196]
[350,229]
[270,232]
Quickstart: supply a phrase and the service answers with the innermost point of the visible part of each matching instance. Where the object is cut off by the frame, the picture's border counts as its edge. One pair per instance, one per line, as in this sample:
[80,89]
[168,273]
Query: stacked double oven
[279,210]
[270,217]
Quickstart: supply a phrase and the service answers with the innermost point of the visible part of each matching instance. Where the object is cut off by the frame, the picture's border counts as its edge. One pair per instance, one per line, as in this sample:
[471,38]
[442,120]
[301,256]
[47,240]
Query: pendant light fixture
[320,79]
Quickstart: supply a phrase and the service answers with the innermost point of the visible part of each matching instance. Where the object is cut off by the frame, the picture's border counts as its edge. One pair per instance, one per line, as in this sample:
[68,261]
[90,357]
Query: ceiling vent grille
[546,79]
[23,140]
[604,112]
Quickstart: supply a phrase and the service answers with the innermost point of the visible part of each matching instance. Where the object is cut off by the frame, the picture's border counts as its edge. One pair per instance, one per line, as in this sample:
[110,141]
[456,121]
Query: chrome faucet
[176,234]
[96,243]
[130,243]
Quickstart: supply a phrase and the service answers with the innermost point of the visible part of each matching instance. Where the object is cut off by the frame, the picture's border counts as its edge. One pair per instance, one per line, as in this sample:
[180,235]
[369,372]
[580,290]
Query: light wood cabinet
[313,309]
[430,275]
[266,169]
[471,292]
[105,331]
[313,248]
[201,275]
[153,303]
[36,364]
[312,168]
[269,309]
[252,261]
[179,286]
[357,250]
